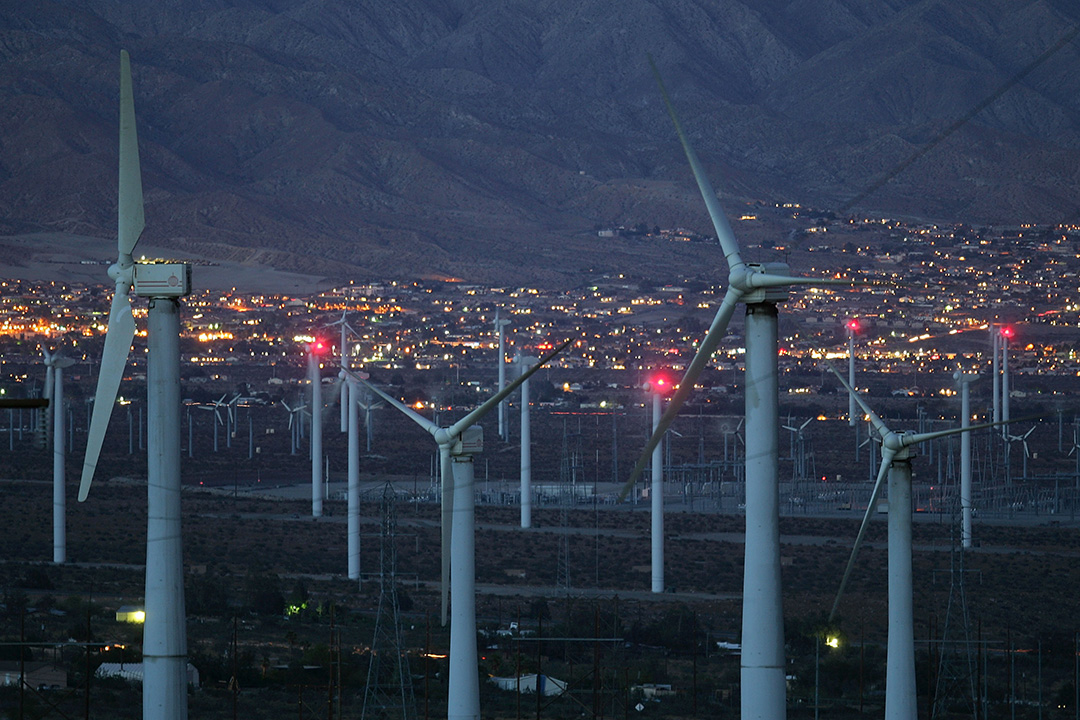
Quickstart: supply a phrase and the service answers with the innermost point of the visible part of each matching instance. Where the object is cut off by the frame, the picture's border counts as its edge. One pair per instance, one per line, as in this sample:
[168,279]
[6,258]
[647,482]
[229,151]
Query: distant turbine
[457,445]
[346,328]
[896,464]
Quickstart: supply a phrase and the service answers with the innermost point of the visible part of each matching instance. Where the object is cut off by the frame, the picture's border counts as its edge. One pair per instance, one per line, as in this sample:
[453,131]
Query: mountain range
[489,140]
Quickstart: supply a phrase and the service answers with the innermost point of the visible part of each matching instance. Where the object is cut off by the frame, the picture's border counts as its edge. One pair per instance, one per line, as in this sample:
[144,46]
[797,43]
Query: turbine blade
[447,519]
[408,411]
[113,361]
[876,421]
[686,385]
[720,223]
[886,460]
[763,280]
[130,211]
[913,438]
[473,417]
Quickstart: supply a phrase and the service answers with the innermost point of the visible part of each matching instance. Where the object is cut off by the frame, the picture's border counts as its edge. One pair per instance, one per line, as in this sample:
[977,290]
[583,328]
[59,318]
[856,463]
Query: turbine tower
[896,455]
[163,284]
[353,492]
[657,388]
[314,350]
[523,365]
[760,287]
[458,443]
[54,391]
[500,326]
[965,380]
[852,326]
[1006,334]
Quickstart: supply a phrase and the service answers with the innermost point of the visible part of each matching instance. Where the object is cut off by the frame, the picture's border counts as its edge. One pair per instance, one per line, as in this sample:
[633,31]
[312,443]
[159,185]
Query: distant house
[130,614]
[527,683]
[133,672]
[653,691]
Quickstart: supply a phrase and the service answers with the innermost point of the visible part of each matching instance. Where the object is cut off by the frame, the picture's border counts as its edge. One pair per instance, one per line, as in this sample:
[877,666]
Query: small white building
[133,672]
[548,685]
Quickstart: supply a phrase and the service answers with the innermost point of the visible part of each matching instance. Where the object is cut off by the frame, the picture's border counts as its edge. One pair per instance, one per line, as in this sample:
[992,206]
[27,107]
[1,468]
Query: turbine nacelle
[763,282]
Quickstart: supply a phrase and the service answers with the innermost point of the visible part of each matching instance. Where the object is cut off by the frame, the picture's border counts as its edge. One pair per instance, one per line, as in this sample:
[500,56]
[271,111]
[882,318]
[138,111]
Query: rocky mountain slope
[488,140]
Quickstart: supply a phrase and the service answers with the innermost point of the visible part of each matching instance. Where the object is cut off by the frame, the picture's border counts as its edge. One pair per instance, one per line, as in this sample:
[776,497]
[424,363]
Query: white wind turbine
[164,630]
[798,457]
[369,406]
[294,423]
[896,455]
[215,407]
[500,327]
[457,445]
[343,348]
[760,287]
[1027,452]
[54,392]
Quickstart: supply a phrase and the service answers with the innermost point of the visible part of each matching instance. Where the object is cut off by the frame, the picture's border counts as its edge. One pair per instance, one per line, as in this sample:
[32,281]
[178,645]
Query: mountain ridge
[489,140]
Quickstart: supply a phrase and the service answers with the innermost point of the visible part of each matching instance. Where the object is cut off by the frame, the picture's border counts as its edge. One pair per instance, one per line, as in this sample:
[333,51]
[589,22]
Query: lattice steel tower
[389,691]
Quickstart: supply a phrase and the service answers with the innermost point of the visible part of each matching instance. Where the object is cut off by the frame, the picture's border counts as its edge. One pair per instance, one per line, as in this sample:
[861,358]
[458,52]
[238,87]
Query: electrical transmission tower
[957,685]
[571,475]
[389,691]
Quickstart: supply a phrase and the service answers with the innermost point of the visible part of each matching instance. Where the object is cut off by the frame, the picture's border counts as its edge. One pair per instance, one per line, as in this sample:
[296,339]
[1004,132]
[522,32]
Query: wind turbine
[163,283]
[215,407]
[760,287]
[965,380]
[294,423]
[346,328]
[500,326]
[896,455]
[799,456]
[1022,439]
[54,391]
[369,405]
[457,445]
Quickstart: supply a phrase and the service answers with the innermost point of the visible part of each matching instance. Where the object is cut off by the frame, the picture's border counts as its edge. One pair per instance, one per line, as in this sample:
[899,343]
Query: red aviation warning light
[1007,331]
[317,347]
[660,384]
[852,325]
